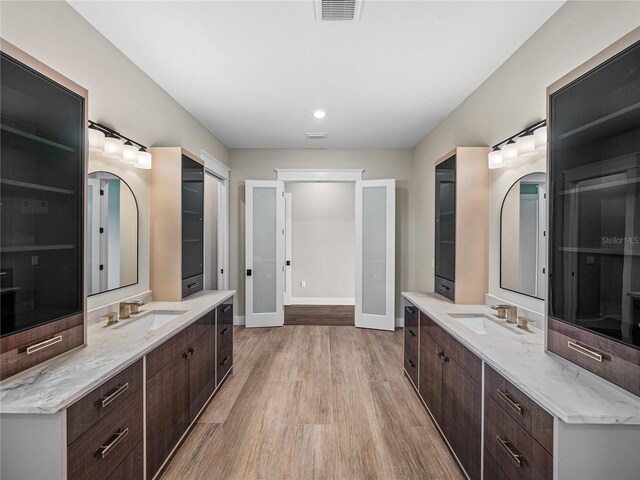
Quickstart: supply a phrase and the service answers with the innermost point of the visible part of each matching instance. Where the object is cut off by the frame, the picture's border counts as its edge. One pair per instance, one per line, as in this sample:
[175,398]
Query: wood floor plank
[315,402]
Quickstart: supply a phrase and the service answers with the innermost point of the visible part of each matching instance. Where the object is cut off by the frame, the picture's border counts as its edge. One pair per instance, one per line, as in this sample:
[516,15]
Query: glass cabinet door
[41,189]
[445,257]
[192,218]
[595,203]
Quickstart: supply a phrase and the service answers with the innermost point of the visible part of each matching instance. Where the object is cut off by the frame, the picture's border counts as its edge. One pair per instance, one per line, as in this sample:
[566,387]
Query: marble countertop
[61,381]
[562,388]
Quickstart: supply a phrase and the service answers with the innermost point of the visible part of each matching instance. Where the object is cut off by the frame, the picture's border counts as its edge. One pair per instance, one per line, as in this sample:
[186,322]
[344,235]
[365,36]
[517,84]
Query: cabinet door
[462,413]
[431,374]
[192,226]
[167,410]
[202,371]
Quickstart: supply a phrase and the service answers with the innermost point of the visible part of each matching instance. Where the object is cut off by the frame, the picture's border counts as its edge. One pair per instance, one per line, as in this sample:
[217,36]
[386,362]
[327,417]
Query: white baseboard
[239,320]
[322,301]
[400,322]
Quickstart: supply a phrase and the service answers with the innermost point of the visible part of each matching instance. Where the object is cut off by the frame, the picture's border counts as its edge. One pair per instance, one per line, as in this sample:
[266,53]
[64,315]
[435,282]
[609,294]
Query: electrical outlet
[303,283]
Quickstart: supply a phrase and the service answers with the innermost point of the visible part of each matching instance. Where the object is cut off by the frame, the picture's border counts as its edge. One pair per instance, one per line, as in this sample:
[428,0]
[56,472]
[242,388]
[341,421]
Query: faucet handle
[111,318]
[524,322]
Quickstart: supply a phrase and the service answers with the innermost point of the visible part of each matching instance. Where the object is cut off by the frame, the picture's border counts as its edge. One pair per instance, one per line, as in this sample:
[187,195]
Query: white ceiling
[253,72]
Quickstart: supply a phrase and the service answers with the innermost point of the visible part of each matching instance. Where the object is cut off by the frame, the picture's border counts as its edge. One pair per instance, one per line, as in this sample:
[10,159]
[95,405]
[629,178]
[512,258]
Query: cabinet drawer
[131,467]
[445,287]
[225,313]
[101,449]
[96,404]
[411,361]
[454,349]
[192,285]
[612,361]
[26,349]
[224,352]
[206,322]
[516,452]
[411,337]
[521,408]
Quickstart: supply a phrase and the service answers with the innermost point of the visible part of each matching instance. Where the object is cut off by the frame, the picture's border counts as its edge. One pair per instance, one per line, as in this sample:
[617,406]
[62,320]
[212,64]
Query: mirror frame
[501,210]
[135,199]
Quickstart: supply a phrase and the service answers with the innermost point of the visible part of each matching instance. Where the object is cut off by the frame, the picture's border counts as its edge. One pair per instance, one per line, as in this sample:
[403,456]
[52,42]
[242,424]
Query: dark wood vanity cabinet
[43,174]
[224,341]
[449,385]
[181,378]
[411,330]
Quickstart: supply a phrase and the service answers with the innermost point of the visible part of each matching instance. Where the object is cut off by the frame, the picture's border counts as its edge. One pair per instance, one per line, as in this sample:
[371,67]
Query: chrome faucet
[129,308]
[111,318]
[507,312]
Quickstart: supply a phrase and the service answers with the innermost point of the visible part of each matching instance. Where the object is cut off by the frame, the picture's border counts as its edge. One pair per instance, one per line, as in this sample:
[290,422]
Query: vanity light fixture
[528,143]
[112,144]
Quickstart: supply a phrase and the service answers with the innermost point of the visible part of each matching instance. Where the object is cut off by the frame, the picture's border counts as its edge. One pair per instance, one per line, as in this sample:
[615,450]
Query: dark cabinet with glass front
[42,178]
[192,226]
[177,224]
[594,236]
[445,260]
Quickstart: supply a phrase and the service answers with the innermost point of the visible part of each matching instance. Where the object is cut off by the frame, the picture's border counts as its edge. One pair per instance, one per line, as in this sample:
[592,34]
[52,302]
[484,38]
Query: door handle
[248,272]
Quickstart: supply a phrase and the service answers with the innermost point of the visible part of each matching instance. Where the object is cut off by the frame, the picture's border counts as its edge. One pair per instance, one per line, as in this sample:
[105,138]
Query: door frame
[222,173]
[288,253]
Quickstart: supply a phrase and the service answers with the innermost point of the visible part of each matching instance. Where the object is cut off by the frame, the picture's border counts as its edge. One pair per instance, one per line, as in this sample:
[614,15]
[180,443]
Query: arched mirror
[522,237]
[112,223]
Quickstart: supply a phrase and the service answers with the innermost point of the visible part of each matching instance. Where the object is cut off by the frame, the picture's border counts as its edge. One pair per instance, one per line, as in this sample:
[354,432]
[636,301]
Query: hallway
[315,402]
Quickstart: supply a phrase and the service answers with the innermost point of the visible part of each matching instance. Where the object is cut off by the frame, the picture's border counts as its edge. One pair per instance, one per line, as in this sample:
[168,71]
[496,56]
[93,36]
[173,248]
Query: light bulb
[526,146]
[540,137]
[144,160]
[113,147]
[319,114]
[96,140]
[496,159]
[130,154]
[509,152]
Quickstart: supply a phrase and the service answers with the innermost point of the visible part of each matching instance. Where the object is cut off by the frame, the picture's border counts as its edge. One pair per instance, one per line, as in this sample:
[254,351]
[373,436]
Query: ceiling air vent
[338,10]
[316,136]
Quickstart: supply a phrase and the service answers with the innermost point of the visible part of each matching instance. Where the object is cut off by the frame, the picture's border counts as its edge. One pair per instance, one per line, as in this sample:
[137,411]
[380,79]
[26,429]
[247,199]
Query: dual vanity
[119,407]
[506,408]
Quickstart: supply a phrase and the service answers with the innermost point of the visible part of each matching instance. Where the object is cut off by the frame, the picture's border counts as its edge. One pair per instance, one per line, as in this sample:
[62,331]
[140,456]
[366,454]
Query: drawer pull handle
[585,351]
[42,345]
[413,365]
[411,333]
[193,285]
[509,401]
[226,360]
[226,308]
[224,332]
[117,438]
[118,391]
[517,458]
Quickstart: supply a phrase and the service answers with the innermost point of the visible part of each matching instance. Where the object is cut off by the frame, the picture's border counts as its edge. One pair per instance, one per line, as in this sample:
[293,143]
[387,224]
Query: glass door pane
[192,215]
[445,246]
[264,250]
[595,209]
[374,250]
[41,189]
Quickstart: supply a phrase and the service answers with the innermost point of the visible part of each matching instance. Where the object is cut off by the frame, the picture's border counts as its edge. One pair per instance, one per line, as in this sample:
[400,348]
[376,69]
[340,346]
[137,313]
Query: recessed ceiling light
[319,114]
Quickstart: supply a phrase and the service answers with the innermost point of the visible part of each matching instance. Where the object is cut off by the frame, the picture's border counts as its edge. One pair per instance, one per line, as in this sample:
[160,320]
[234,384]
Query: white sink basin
[151,320]
[484,325]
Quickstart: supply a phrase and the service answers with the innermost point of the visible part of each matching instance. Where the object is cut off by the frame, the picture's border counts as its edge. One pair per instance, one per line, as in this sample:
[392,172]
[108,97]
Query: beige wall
[120,96]
[512,98]
[259,164]
[323,240]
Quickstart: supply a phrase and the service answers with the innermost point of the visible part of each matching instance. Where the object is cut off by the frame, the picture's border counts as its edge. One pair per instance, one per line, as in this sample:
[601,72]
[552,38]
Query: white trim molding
[399,322]
[239,320]
[214,166]
[322,301]
[319,175]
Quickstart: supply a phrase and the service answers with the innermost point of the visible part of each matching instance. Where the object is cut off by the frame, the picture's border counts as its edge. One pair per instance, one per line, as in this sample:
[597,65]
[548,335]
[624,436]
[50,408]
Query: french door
[375,254]
[264,253]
